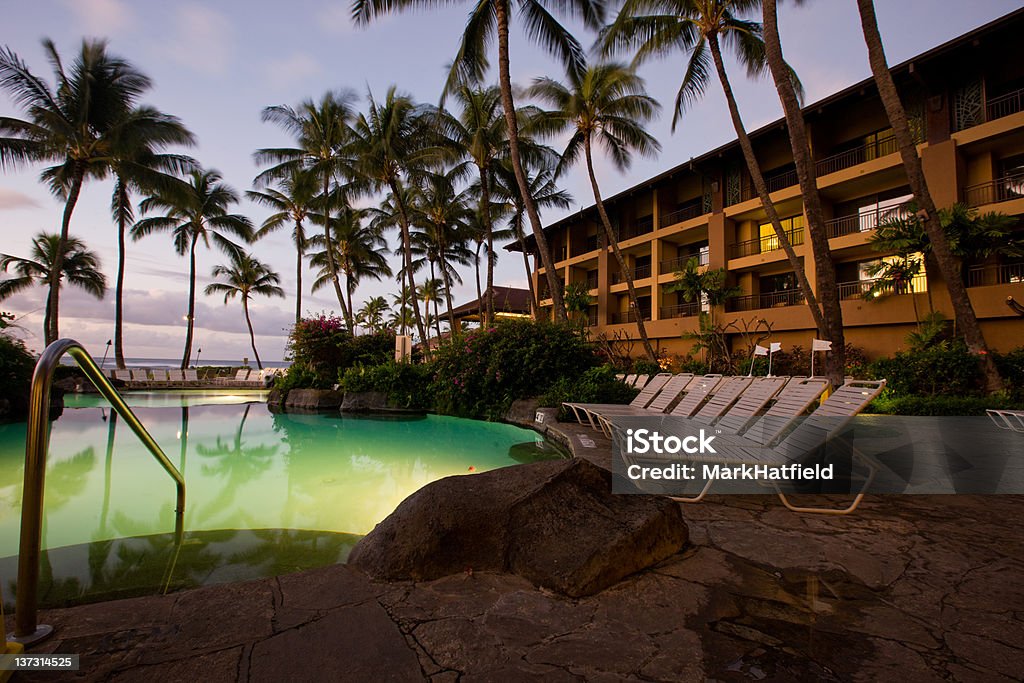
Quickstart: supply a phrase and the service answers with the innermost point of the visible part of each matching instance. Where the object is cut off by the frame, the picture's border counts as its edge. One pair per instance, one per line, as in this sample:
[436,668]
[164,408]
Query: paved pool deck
[910,588]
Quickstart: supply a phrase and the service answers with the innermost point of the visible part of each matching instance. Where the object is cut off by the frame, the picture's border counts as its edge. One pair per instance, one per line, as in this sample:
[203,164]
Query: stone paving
[912,588]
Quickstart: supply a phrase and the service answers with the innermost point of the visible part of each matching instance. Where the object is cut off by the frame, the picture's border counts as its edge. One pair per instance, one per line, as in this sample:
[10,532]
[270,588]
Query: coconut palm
[80,267]
[357,250]
[245,277]
[489,20]
[372,313]
[322,132]
[194,211]
[948,264]
[430,293]
[654,28]
[401,313]
[604,105]
[824,268]
[390,141]
[292,202]
[72,124]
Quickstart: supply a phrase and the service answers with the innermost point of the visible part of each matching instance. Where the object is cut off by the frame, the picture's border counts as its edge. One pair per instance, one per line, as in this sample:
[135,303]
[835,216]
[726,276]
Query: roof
[506,300]
[856,89]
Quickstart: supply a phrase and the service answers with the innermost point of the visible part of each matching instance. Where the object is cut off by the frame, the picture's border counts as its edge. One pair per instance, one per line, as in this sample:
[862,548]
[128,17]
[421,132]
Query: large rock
[313,399]
[555,523]
[364,401]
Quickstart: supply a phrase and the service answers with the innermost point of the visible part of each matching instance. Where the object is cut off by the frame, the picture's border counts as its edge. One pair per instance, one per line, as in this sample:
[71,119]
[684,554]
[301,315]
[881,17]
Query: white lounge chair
[140,376]
[175,377]
[641,381]
[1007,419]
[666,398]
[191,376]
[159,378]
[123,375]
[641,400]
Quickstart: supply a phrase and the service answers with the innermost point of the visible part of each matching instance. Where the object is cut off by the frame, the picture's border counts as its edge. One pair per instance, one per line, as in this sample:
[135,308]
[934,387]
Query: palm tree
[401,314]
[702,27]
[72,124]
[489,19]
[948,264]
[194,210]
[605,104]
[390,141]
[244,277]
[322,131]
[430,292]
[80,267]
[373,311]
[824,268]
[357,251]
[292,201]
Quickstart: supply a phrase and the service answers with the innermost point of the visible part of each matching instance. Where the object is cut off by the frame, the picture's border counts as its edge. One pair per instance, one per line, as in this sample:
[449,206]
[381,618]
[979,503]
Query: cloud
[12,199]
[203,39]
[295,68]
[102,17]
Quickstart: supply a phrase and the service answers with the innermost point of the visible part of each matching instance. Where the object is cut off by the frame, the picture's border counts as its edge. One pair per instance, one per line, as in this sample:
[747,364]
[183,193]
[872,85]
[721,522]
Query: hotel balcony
[760,245]
[856,155]
[679,311]
[999,190]
[680,215]
[1006,274]
[753,302]
[864,222]
[589,245]
[862,289]
[625,317]
[641,226]
[678,263]
[638,273]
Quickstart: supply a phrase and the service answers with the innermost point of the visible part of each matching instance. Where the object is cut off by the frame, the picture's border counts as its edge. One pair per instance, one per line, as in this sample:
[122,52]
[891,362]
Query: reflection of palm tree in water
[235,464]
[281,551]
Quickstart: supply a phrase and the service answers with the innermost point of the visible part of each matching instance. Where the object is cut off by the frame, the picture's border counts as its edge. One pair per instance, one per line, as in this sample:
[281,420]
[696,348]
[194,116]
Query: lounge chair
[191,376]
[175,378]
[795,399]
[140,377]
[727,393]
[1007,419]
[641,400]
[123,375]
[665,399]
[749,405]
[621,376]
[696,393]
[808,436]
[630,380]
[159,378]
[240,377]
[641,381]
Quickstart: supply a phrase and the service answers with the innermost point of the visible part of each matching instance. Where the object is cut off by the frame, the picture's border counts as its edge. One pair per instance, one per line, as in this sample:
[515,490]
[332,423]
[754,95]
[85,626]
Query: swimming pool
[266,493]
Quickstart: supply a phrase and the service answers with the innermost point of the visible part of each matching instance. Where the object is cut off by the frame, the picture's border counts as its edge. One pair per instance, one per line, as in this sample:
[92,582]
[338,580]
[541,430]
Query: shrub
[596,385]
[16,366]
[944,370]
[301,376]
[480,373]
[1011,367]
[889,404]
[406,385]
[643,366]
[323,346]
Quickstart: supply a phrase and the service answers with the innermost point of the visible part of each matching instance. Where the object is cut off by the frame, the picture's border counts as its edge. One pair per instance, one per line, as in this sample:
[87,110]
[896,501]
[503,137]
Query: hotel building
[965,102]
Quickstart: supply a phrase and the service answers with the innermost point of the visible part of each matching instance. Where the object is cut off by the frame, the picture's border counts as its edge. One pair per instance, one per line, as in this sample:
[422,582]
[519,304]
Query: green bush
[947,369]
[642,366]
[1011,367]
[323,346]
[406,385]
[889,404]
[596,385]
[480,373]
[301,376]
[16,366]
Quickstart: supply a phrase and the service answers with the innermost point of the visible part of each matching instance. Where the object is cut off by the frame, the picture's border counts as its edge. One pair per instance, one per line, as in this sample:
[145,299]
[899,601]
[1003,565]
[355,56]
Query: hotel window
[918,284]
[793,226]
[878,144]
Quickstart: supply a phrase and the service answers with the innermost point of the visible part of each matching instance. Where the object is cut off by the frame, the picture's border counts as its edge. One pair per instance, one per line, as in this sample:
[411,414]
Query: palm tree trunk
[403,224]
[300,257]
[505,80]
[949,265]
[52,332]
[485,201]
[826,288]
[640,327]
[762,188]
[187,354]
[331,265]
[252,336]
[534,305]
[447,278]
[479,291]
[122,199]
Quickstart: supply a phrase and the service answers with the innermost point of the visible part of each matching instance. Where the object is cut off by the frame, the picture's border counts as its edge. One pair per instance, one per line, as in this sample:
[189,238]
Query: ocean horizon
[173,363]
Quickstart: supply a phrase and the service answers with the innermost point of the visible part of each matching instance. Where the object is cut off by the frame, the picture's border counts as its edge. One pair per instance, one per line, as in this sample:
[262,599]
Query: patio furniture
[727,393]
[139,376]
[159,378]
[668,395]
[123,375]
[641,381]
[641,400]
[1012,420]
[696,393]
[191,376]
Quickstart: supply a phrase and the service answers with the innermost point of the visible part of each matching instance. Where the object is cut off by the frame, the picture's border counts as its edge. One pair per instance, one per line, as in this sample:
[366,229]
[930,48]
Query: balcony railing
[753,302]
[591,280]
[1004,105]
[857,155]
[639,227]
[760,245]
[999,190]
[638,273]
[678,263]
[860,289]
[592,317]
[864,222]
[680,311]
[588,245]
[627,317]
[679,215]
[1005,274]
[774,181]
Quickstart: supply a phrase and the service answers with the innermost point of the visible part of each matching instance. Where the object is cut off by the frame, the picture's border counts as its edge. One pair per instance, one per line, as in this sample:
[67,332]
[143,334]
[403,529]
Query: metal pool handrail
[37,441]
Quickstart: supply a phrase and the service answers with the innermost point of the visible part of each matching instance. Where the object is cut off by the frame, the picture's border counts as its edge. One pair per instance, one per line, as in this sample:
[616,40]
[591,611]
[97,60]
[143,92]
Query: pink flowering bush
[321,349]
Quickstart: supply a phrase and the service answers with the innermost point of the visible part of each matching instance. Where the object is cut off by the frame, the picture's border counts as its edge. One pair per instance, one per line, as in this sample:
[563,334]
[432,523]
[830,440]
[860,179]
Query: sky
[217,65]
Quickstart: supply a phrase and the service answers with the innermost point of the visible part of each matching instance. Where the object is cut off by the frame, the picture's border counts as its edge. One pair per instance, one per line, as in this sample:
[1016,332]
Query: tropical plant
[577,303]
[245,277]
[292,202]
[430,293]
[948,264]
[605,104]
[74,123]
[79,266]
[702,28]
[194,211]
[696,283]
[372,313]
[322,132]
[489,20]
[401,313]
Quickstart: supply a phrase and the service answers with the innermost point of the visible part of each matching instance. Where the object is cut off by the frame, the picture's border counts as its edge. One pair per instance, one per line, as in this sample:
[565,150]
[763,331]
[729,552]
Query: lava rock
[313,399]
[364,402]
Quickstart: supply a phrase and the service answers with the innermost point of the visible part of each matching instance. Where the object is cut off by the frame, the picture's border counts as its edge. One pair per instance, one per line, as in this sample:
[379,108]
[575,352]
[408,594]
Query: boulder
[554,523]
[364,401]
[313,399]
[522,411]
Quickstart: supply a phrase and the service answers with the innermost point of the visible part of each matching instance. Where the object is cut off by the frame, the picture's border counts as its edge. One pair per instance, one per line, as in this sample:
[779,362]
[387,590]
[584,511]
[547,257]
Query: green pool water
[266,493]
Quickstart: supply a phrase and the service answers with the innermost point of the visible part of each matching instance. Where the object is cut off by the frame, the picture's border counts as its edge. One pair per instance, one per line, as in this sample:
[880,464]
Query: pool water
[266,493]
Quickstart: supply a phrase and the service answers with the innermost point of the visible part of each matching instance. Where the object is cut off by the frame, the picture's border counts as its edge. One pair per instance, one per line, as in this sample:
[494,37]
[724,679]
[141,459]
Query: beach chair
[159,378]
[808,436]
[139,376]
[795,399]
[667,397]
[630,379]
[175,378]
[240,377]
[641,381]
[1012,420]
[725,395]
[191,376]
[641,400]
[749,405]
[621,376]
[123,375]
[696,393]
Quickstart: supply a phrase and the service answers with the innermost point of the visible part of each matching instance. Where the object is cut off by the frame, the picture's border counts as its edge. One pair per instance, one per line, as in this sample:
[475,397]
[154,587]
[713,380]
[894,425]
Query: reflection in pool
[330,477]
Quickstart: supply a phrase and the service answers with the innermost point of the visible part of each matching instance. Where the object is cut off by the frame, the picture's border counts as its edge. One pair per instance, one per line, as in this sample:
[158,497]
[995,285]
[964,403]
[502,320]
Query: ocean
[172,363]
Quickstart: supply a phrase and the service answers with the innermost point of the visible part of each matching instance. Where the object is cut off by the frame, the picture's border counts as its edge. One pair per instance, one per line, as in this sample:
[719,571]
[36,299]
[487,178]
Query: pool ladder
[37,440]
